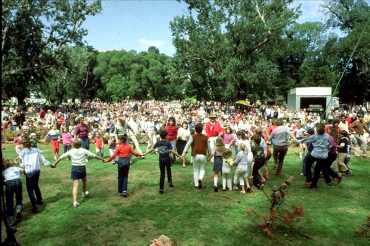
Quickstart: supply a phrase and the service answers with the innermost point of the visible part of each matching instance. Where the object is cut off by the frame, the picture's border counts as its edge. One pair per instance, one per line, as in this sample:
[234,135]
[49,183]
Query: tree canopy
[225,50]
[33,33]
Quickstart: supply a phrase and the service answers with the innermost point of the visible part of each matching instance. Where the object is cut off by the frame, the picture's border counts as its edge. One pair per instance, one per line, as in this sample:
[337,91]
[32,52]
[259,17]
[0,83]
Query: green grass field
[332,215]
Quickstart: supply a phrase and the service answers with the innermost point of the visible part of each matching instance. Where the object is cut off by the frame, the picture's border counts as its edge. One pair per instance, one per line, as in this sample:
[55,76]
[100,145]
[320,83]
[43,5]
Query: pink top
[67,138]
[228,138]
[17,140]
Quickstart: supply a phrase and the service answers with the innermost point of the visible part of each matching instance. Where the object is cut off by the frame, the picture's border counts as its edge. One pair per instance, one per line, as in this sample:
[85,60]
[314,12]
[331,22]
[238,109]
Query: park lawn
[332,214]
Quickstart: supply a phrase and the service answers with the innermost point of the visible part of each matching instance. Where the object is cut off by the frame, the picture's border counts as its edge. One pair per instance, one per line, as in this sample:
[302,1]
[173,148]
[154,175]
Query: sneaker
[275,168]
[76,204]
[171,185]
[216,189]
[249,189]
[120,194]
[236,188]
[35,210]
[260,187]
[124,194]
[277,175]
[161,191]
[19,213]
[243,192]
[85,194]
[349,172]
[301,174]
[113,163]
[223,189]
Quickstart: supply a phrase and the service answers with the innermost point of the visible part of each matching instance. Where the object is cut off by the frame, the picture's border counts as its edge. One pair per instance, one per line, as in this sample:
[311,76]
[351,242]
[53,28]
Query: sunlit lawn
[189,216]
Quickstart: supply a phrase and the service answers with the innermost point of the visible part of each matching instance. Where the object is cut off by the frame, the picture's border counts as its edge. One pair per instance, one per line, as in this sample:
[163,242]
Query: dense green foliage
[33,34]
[225,50]
[128,75]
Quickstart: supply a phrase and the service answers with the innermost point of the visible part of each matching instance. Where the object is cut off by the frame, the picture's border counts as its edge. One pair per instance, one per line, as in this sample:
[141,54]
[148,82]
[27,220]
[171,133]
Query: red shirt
[123,151]
[213,130]
[42,113]
[172,131]
[98,142]
[271,128]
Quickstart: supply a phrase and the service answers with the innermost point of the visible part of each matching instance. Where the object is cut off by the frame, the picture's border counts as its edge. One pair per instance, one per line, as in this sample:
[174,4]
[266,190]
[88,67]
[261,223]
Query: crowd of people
[225,134]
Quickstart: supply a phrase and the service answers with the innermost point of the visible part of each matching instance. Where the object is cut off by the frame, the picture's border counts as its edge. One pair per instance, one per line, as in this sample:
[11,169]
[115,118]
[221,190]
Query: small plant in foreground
[266,222]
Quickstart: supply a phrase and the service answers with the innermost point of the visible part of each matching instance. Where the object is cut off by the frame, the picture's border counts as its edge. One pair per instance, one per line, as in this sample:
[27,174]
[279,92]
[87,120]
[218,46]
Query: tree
[225,46]
[351,17]
[32,33]
[136,76]
[71,76]
[301,58]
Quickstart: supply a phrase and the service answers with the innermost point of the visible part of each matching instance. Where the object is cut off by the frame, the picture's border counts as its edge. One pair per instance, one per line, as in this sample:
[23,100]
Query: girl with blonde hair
[217,153]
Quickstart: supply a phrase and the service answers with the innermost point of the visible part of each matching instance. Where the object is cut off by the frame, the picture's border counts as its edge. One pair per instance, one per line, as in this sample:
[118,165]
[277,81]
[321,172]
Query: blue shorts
[78,172]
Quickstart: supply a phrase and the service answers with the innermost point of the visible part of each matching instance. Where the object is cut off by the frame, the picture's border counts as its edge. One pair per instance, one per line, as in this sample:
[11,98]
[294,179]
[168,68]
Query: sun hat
[212,115]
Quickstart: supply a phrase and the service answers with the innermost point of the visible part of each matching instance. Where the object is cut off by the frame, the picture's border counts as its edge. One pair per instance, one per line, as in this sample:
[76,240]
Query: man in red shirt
[213,130]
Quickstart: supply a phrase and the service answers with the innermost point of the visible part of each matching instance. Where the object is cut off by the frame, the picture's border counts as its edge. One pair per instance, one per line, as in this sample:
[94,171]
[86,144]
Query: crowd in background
[101,116]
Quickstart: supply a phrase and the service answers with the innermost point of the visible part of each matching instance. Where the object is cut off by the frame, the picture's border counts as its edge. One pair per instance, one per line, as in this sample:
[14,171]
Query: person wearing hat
[213,129]
[358,128]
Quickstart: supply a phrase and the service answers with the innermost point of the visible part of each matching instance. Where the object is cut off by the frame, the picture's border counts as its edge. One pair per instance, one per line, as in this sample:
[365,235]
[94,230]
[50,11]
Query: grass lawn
[332,215]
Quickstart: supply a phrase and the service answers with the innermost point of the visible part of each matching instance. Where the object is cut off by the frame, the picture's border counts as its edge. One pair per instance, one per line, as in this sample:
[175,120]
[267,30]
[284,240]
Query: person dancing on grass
[199,147]
[30,162]
[78,171]
[226,169]
[123,151]
[165,161]
[13,186]
[259,160]
[217,153]
[320,143]
[243,161]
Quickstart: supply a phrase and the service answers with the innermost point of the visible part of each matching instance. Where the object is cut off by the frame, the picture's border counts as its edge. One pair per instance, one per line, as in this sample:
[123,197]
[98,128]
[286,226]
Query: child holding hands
[259,160]
[164,149]
[226,169]
[217,152]
[78,171]
[123,151]
[243,160]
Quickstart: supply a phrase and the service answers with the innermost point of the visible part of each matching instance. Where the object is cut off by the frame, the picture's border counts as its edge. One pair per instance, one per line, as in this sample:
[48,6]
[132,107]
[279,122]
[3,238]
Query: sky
[137,25]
